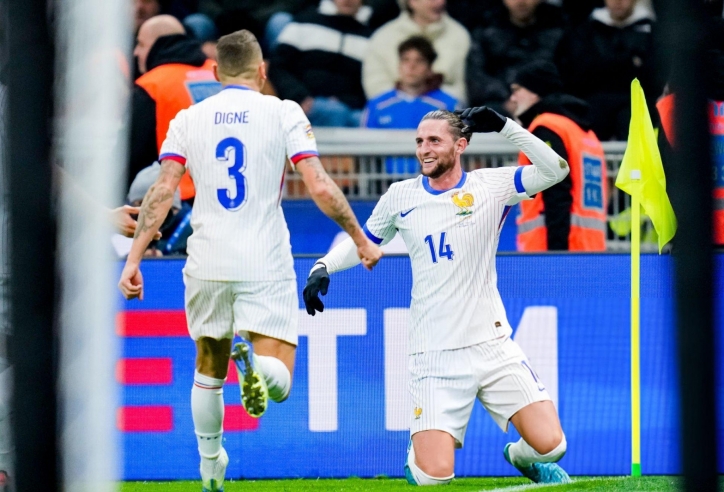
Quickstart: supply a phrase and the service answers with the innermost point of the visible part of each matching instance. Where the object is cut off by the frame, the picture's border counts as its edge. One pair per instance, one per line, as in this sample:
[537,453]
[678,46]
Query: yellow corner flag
[642,155]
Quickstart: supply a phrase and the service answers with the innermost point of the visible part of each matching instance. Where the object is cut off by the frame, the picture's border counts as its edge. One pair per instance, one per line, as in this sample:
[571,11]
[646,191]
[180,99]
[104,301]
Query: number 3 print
[228,200]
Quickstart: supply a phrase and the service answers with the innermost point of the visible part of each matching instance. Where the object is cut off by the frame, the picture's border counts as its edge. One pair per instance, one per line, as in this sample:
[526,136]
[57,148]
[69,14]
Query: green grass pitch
[385,484]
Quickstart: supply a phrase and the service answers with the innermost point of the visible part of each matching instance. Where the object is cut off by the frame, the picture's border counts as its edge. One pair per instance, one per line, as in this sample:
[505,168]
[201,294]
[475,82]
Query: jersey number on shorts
[232,199]
[443,250]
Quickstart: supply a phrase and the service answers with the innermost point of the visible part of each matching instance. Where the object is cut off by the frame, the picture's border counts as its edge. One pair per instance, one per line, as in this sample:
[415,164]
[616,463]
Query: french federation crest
[464,201]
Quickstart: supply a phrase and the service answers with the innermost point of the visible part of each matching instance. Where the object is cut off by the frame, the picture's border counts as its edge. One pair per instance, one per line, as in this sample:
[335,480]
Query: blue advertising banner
[348,412]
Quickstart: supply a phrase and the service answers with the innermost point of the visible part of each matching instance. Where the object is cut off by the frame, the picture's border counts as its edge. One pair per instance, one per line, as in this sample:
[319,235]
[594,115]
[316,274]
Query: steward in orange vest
[571,215]
[665,108]
[178,75]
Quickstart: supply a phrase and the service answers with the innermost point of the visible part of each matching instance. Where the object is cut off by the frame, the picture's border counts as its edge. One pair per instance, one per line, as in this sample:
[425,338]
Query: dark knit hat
[540,77]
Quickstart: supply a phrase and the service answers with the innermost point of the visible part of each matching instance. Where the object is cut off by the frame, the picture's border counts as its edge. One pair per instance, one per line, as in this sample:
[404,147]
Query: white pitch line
[521,487]
[534,486]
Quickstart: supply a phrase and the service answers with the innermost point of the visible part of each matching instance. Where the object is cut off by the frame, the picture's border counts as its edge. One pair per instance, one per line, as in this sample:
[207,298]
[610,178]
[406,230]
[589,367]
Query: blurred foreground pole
[92,87]
[32,344]
[690,182]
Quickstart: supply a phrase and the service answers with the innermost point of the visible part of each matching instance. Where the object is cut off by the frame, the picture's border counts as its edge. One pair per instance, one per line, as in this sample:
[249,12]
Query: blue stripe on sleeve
[518,180]
[371,236]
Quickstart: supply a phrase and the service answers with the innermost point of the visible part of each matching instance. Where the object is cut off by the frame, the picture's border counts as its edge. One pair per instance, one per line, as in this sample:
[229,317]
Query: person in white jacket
[418,18]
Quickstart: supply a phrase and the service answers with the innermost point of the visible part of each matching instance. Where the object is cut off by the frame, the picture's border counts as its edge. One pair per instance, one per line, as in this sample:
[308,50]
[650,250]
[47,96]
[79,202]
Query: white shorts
[445,383]
[221,309]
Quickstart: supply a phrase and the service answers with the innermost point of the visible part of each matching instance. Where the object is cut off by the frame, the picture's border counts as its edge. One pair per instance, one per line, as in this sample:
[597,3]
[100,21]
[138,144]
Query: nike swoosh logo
[405,214]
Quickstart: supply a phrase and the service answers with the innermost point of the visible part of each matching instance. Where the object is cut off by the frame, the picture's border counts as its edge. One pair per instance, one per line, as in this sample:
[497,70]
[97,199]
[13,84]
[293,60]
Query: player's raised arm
[548,167]
[330,200]
[155,208]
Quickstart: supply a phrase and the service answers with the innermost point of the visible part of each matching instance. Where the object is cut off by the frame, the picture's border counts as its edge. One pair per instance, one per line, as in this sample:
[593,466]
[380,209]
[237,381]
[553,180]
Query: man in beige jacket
[418,17]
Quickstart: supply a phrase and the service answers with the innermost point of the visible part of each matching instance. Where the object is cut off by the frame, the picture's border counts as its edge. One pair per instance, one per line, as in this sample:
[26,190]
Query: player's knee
[556,449]
[544,444]
[431,471]
[438,469]
[433,476]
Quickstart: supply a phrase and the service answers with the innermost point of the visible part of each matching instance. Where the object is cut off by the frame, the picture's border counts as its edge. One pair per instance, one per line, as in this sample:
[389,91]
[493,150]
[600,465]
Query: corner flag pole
[635,325]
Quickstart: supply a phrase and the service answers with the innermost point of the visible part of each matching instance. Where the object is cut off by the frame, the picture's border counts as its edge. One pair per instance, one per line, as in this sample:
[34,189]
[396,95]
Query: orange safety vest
[176,86]
[665,106]
[588,178]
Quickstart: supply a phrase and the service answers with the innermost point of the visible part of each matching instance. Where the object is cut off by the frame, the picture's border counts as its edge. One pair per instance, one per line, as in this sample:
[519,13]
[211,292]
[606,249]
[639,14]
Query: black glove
[317,282]
[482,119]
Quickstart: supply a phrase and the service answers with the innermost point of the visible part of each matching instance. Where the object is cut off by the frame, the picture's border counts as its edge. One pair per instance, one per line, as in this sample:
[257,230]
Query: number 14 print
[443,250]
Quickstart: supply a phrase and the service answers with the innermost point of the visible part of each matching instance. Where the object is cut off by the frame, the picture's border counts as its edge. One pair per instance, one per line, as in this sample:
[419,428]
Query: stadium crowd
[385,63]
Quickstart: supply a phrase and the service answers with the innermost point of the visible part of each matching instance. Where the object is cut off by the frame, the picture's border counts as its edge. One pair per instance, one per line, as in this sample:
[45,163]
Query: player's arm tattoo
[334,204]
[158,199]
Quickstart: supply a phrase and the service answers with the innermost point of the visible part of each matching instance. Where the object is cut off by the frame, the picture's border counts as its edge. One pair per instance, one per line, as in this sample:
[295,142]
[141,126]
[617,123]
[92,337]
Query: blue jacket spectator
[520,31]
[398,109]
[417,92]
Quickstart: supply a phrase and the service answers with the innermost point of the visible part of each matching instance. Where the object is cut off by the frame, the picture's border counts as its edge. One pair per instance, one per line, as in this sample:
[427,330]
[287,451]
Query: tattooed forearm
[154,209]
[341,211]
[159,198]
[330,198]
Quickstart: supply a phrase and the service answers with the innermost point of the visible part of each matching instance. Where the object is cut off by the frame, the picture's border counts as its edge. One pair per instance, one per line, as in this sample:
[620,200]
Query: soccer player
[239,275]
[460,346]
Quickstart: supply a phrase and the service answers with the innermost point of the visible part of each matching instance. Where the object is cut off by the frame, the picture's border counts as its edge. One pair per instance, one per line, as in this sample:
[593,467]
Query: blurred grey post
[32,244]
[92,91]
[690,181]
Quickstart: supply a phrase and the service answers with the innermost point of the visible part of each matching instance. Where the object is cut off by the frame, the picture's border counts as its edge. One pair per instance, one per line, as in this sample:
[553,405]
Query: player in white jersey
[460,344]
[239,275]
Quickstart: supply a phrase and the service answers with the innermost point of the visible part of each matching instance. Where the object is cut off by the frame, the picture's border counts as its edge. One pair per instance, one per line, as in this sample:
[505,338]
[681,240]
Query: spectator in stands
[599,59]
[416,93]
[176,229]
[577,11]
[250,13]
[572,214]
[419,18]
[522,31]
[176,74]
[318,63]
[144,10]
[472,13]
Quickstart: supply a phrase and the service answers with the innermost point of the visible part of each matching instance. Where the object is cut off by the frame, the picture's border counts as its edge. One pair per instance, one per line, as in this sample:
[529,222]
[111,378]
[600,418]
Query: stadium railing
[357,159]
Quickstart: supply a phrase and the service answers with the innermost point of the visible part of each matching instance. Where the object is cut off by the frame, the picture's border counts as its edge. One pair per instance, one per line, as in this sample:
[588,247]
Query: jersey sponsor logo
[464,201]
[405,214]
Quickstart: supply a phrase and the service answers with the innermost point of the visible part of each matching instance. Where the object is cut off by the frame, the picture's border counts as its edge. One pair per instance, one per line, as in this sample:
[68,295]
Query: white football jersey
[452,237]
[235,145]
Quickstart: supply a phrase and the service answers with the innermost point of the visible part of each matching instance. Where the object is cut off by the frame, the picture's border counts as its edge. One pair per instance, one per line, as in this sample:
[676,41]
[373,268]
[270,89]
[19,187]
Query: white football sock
[207,409]
[522,454]
[422,478]
[276,374]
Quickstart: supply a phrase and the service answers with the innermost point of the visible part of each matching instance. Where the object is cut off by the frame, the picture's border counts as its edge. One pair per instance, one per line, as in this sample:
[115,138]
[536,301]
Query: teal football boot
[540,472]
